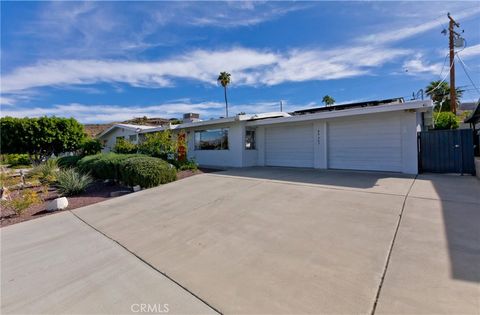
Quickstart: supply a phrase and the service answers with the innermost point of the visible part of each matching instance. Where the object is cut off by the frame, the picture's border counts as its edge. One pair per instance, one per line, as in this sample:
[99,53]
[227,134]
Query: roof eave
[346,112]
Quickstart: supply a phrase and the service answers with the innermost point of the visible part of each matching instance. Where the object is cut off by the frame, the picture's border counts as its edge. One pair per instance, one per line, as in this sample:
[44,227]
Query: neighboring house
[473,121]
[109,137]
[464,110]
[363,136]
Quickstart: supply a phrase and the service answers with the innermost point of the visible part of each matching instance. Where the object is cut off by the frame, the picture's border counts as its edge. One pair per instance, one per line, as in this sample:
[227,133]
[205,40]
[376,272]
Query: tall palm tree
[328,100]
[224,80]
[439,92]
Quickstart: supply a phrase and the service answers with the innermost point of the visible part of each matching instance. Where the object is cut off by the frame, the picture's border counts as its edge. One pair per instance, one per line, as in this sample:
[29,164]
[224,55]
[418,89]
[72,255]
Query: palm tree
[224,80]
[328,100]
[439,92]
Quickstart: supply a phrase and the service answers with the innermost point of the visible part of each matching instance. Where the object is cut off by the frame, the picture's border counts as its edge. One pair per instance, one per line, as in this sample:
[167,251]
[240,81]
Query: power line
[444,63]
[466,72]
[440,83]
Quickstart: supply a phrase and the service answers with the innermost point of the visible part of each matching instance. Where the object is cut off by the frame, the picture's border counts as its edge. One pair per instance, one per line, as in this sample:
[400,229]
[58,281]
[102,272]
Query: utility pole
[281,105]
[452,33]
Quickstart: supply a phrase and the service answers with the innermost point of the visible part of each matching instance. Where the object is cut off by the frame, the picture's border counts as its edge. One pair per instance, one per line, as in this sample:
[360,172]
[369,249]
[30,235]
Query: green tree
[40,137]
[445,120]
[160,144]
[125,147]
[224,80]
[328,100]
[439,92]
[91,146]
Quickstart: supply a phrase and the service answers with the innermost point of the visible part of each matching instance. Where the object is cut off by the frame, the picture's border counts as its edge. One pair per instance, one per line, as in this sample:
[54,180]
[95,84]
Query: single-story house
[110,136]
[376,136]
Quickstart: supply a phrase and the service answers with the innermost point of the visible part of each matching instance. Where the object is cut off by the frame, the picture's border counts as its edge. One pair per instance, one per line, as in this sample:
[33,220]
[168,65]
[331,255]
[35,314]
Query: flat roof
[281,117]
[413,105]
[397,100]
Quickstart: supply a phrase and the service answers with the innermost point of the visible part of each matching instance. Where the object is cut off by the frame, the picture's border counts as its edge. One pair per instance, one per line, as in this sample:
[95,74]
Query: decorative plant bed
[97,192]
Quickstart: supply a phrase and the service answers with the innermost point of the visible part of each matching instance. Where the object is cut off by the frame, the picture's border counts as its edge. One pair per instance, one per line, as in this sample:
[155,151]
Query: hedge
[147,171]
[68,161]
[131,169]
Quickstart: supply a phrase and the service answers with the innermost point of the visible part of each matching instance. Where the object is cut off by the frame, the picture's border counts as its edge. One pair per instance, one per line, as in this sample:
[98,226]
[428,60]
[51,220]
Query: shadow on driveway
[381,182]
[460,203]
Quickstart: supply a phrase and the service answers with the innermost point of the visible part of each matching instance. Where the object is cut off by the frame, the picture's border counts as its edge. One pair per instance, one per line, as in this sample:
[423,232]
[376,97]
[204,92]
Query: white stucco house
[375,136]
[128,132]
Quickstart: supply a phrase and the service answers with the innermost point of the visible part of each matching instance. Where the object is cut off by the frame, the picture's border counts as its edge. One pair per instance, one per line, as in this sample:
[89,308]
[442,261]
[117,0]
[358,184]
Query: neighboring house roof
[138,128]
[475,116]
[391,101]
[468,105]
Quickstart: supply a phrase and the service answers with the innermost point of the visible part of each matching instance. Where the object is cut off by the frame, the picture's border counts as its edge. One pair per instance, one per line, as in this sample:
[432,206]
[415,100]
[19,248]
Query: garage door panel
[369,143]
[289,146]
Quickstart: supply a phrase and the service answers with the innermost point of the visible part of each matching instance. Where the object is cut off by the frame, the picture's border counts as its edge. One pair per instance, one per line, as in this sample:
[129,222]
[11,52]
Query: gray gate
[446,151]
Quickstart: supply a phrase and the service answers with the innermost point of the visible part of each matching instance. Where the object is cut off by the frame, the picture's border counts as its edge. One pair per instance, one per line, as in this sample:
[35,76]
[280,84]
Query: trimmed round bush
[68,161]
[131,169]
[105,165]
[85,164]
[146,171]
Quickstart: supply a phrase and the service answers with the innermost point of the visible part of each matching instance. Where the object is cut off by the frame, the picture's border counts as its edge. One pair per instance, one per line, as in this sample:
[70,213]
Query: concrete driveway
[257,241]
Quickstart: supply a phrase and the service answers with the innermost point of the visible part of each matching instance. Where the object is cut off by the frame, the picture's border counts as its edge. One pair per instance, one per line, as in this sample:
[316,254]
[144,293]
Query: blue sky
[111,61]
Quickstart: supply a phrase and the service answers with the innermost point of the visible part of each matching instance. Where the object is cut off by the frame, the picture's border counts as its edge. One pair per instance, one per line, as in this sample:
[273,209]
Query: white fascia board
[195,124]
[108,130]
[125,126]
[415,105]
[220,121]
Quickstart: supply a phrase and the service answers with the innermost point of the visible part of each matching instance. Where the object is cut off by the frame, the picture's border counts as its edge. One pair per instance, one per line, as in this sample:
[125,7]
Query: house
[474,121]
[375,136]
[129,132]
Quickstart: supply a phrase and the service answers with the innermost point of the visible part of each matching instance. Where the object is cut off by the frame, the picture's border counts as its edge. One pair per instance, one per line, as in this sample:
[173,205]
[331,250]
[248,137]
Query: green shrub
[125,147]
[90,146]
[446,120]
[132,169]
[147,171]
[188,165]
[16,159]
[104,166]
[45,172]
[68,161]
[85,164]
[160,144]
[70,182]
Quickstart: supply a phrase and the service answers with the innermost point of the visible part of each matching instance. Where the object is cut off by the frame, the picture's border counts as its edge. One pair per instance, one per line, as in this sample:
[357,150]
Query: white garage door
[289,146]
[365,144]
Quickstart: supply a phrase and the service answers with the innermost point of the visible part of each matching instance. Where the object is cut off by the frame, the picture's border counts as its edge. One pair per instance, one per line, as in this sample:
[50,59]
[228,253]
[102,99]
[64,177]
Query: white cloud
[7,101]
[89,29]
[470,52]
[239,14]
[108,113]
[419,66]
[402,33]
[248,67]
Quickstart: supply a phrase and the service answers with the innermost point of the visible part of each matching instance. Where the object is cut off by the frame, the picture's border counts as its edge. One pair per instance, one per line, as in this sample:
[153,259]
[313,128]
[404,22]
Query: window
[250,140]
[215,139]
[132,138]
